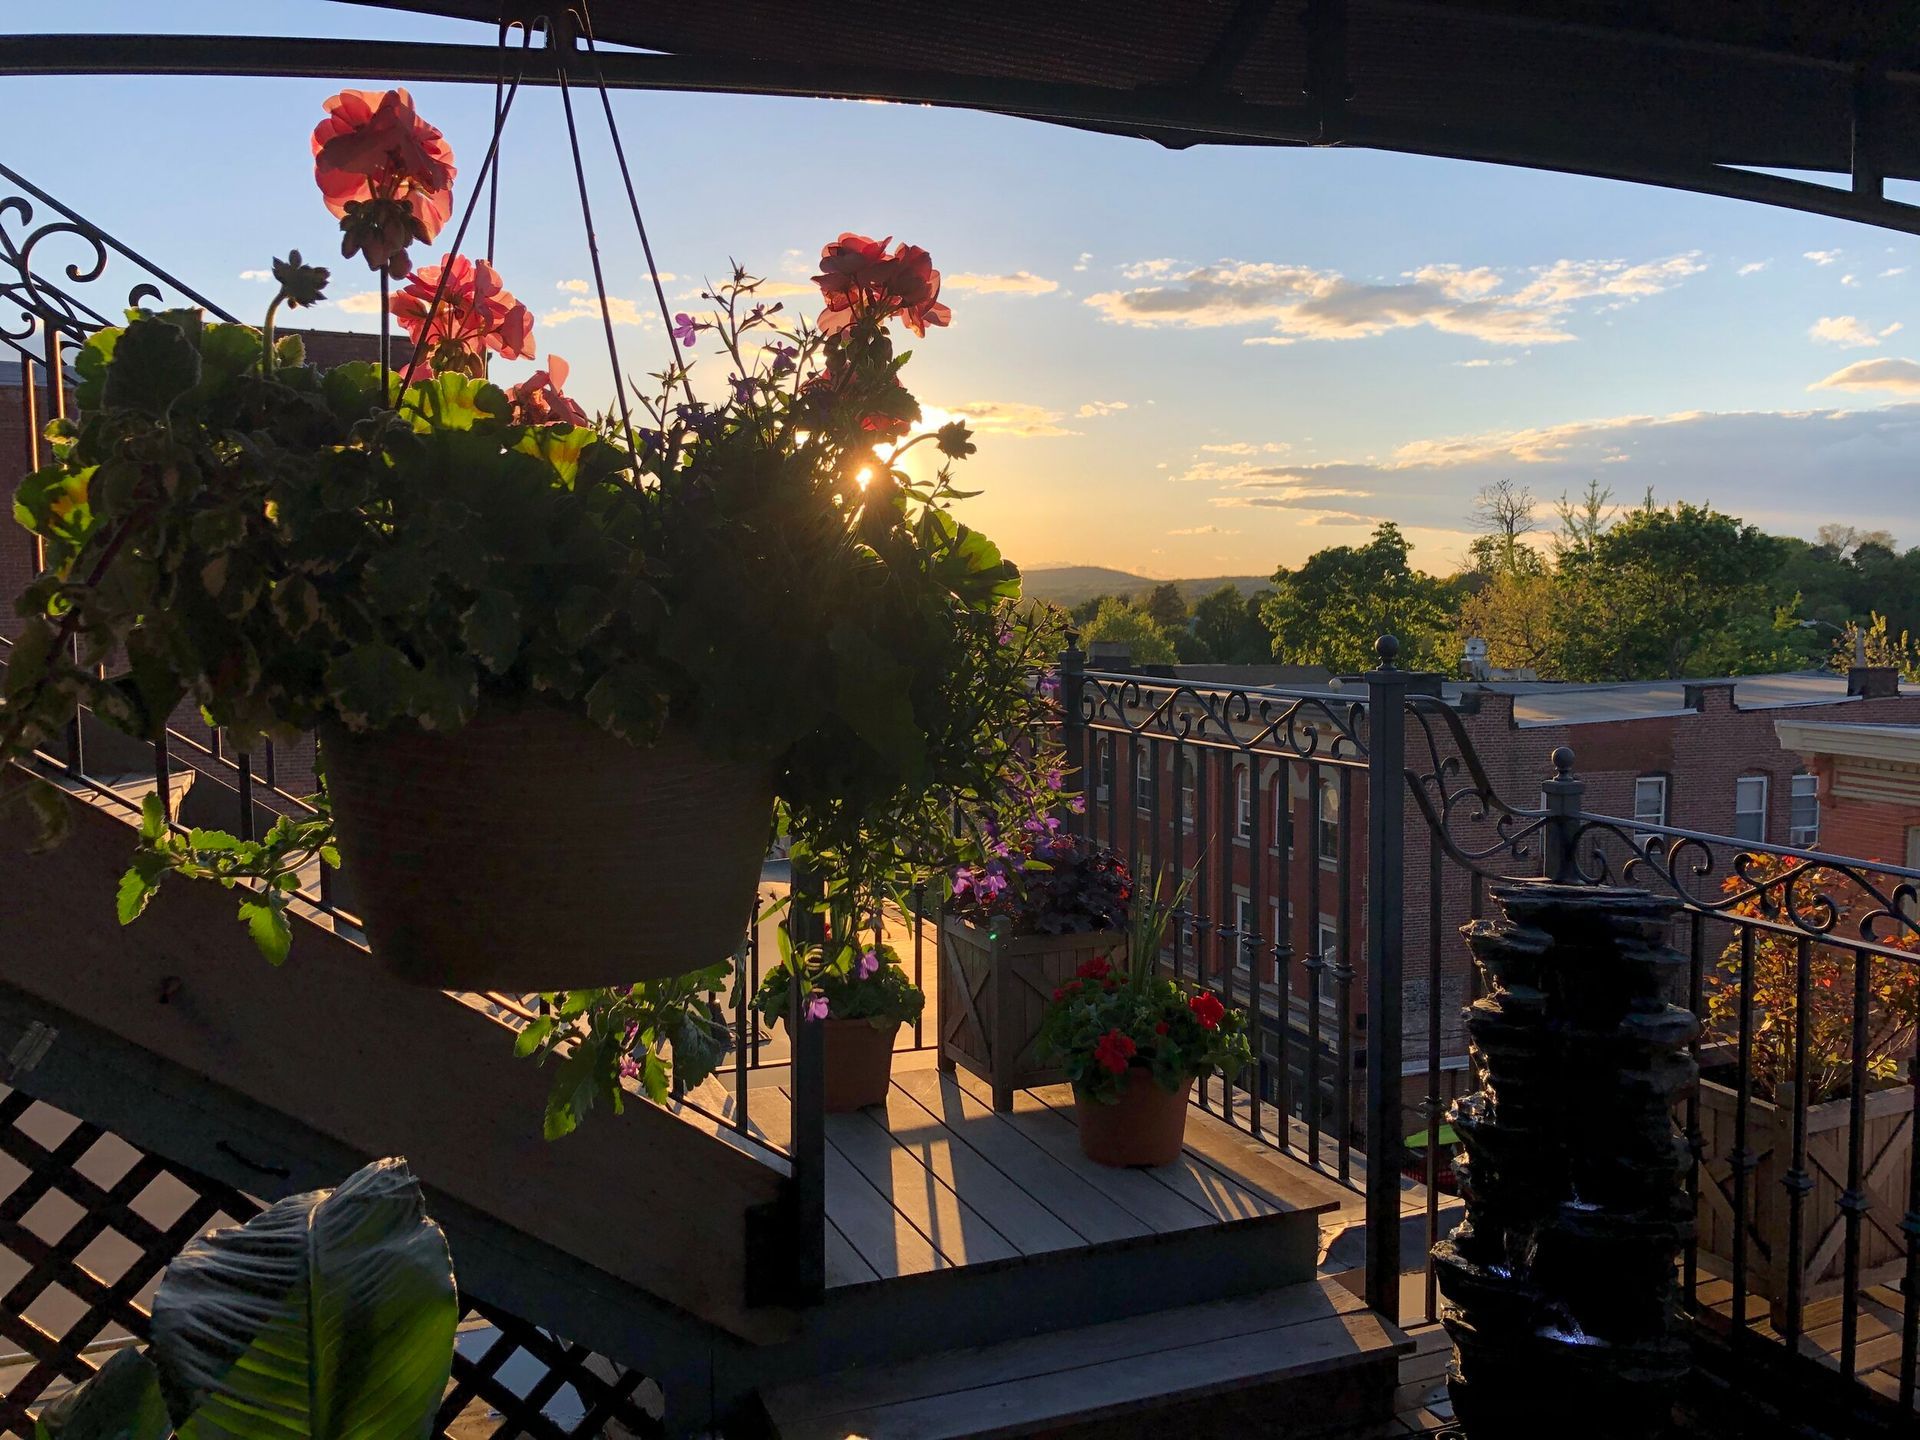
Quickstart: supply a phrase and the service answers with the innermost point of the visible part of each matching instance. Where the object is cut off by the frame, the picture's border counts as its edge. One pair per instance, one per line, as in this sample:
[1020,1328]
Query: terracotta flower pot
[1145,1126]
[531,850]
[859,1064]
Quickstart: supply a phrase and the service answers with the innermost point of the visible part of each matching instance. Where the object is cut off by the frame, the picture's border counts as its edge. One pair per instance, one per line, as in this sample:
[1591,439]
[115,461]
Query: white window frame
[1242,804]
[1142,778]
[1329,789]
[1642,815]
[1189,792]
[1281,841]
[1103,776]
[1743,788]
[1244,922]
[1804,786]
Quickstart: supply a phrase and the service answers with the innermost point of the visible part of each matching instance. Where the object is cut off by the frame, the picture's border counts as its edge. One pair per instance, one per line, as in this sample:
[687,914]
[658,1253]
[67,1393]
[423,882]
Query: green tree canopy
[1228,624]
[1116,620]
[1166,606]
[1340,601]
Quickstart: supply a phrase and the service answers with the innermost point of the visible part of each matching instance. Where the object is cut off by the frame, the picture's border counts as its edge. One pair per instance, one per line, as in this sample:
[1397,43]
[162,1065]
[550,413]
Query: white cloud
[1081,263]
[1019,282]
[1753,267]
[256,274]
[1096,408]
[620,311]
[1901,377]
[1892,271]
[1849,279]
[1015,419]
[572,287]
[1821,257]
[1483,364]
[366,302]
[1848,332]
[1203,530]
[1244,447]
[1301,303]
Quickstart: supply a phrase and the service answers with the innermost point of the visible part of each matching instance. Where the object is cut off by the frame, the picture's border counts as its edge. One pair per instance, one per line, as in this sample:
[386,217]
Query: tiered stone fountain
[1559,1286]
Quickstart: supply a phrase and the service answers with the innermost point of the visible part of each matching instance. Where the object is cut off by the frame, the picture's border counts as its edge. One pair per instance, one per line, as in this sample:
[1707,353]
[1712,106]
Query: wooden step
[1295,1361]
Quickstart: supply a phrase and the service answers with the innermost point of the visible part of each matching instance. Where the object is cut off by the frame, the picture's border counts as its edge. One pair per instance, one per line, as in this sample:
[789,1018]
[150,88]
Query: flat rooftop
[1542,702]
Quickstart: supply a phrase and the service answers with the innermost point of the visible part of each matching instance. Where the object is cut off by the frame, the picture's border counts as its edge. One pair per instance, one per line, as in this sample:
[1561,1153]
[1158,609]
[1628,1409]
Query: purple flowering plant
[868,984]
[1042,879]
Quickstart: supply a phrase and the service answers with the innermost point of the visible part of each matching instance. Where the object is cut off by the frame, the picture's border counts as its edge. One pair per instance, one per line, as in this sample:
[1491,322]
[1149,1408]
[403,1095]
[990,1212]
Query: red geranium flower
[1113,1051]
[1059,994]
[1159,1027]
[385,172]
[475,315]
[1097,968]
[861,280]
[1207,1009]
[537,399]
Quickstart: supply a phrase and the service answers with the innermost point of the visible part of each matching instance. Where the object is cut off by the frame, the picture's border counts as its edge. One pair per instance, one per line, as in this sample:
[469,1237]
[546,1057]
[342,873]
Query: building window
[1249,933]
[1750,808]
[1804,821]
[1104,787]
[1281,841]
[1650,800]
[1326,940]
[1243,803]
[1189,792]
[1329,818]
[1142,777]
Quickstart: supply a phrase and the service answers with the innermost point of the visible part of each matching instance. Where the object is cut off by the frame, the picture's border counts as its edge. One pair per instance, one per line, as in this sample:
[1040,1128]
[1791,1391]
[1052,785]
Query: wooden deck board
[1217,1194]
[878,1233]
[1079,1205]
[1088,1374]
[1027,1224]
[918,1196]
[1134,1191]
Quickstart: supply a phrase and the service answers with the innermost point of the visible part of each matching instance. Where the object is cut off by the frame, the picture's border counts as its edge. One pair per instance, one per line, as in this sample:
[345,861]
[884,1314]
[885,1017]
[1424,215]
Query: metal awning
[1692,94]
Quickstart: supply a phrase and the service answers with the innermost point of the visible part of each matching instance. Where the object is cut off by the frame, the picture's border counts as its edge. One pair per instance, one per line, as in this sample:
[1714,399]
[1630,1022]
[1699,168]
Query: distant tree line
[1602,592]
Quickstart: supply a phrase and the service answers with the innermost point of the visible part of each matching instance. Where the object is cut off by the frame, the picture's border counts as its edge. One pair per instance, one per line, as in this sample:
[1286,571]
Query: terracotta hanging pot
[858,1064]
[1145,1126]
[530,850]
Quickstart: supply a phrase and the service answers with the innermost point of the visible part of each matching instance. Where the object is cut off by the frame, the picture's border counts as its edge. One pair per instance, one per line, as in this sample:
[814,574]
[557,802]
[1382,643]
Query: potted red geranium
[1132,1040]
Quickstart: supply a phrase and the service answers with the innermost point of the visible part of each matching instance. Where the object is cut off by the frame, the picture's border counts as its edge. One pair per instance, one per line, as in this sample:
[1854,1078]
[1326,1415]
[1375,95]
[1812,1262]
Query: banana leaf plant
[330,1314]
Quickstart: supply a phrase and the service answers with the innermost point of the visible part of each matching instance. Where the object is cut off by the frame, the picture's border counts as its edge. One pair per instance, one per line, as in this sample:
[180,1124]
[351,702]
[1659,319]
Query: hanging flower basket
[531,850]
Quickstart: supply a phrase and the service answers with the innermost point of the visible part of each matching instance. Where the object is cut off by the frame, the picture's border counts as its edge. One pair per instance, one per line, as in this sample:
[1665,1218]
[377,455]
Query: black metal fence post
[1387,687]
[1562,799]
[1074,738]
[807,1038]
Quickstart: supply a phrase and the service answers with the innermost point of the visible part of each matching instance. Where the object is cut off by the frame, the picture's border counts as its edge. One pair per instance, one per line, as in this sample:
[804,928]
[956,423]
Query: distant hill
[1070,584]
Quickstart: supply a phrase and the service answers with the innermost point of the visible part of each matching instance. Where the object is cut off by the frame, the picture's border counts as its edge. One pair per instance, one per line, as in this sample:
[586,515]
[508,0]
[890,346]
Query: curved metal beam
[1172,117]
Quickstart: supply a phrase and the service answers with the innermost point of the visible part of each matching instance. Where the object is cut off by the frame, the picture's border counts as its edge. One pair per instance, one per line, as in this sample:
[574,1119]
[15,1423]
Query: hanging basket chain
[593,240]
[466,216]
[633,200]
[499,92]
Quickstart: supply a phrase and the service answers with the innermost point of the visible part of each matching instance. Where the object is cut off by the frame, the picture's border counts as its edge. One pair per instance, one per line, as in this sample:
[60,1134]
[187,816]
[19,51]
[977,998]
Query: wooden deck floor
[1877,1346]
[936,1179]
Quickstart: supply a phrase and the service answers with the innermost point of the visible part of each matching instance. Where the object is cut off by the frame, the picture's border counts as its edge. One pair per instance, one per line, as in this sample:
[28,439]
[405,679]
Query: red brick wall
[1866,829]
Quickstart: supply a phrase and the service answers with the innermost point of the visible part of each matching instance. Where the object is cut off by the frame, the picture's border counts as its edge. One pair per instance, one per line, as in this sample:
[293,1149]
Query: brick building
[1869,784]
[1278,864]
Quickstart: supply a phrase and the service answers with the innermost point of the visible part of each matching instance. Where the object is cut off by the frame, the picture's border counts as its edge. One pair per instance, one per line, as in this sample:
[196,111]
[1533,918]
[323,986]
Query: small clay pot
[1145,1126]
[858,1064]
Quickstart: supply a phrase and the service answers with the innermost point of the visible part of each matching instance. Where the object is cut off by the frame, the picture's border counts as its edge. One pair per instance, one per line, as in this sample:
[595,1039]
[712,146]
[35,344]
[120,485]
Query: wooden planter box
[1886,1161]
[994,993]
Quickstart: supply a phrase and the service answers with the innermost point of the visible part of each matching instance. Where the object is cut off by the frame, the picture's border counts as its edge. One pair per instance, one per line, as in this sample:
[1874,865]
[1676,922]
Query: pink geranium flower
[475,315]
[537,399]
[385,172]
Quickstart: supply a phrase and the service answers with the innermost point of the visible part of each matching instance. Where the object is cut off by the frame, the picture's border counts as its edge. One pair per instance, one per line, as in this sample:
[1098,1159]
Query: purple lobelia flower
[817,1005]
[685,328]
[866,965]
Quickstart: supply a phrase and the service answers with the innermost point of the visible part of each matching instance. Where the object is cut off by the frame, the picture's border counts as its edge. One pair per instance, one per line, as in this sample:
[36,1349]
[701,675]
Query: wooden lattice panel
[88,1223]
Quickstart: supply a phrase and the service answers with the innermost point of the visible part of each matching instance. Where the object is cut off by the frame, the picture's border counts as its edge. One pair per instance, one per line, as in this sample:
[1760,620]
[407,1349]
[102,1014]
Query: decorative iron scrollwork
[1457,798]
[1297,725]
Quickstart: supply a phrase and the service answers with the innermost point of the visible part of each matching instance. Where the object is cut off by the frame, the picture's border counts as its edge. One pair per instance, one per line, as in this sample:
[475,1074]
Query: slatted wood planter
[1886,1164]
[994,992]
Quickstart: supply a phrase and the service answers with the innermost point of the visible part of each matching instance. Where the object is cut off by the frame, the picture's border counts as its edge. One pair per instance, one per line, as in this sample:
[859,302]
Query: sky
[1213,361]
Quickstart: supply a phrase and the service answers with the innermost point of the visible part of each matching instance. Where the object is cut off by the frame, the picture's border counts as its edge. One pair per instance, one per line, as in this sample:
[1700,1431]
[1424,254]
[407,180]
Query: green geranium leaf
[491,630]
[267,924]
[371,685]
[91,366]
[533,1037]
[626,702]
[227,351]
[153,364]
